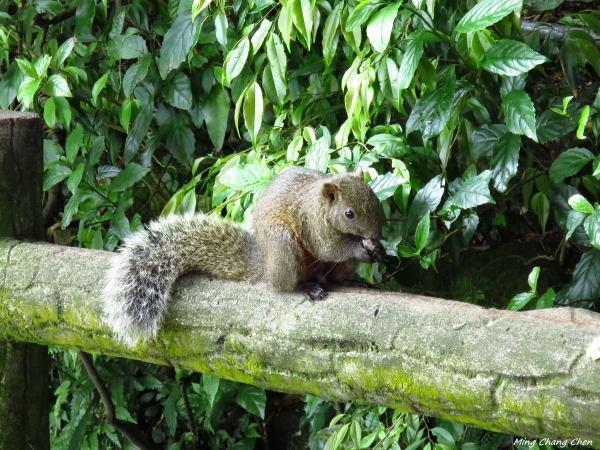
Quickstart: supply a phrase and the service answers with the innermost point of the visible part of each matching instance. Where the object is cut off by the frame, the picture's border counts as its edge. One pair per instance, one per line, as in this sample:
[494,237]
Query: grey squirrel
[309,228]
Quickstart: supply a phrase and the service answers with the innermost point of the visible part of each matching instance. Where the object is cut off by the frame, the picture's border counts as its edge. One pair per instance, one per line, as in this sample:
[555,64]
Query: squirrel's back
[145,268]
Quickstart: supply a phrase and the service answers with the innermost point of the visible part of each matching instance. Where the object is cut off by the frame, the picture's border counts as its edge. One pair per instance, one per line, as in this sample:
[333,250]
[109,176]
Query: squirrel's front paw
[370,251]
[312,291]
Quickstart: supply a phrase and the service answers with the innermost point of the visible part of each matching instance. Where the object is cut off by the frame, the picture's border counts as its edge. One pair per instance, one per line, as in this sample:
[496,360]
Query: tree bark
[23,367]
[524,373]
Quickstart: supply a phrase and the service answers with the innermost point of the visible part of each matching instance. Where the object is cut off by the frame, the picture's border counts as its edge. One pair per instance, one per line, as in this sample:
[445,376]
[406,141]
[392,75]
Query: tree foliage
[460,120]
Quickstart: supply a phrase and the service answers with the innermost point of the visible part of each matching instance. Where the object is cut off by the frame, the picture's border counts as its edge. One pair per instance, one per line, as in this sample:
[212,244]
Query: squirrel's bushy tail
[142,273]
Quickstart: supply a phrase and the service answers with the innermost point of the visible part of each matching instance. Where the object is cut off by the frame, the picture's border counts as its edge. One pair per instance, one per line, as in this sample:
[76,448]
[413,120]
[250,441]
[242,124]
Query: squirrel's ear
[358,173]
[329,191]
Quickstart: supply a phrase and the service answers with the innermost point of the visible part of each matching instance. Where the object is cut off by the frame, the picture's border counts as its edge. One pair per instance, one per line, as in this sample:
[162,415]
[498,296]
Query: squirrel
[309,228]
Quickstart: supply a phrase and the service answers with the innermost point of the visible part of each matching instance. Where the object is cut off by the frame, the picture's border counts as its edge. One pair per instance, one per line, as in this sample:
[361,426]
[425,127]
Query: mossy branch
[523,373]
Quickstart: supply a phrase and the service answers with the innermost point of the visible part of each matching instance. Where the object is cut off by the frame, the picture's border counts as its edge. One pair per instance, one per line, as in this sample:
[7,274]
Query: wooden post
[23,367]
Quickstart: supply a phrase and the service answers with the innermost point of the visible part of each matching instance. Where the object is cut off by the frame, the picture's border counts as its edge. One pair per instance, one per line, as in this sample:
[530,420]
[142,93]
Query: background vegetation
[479,138]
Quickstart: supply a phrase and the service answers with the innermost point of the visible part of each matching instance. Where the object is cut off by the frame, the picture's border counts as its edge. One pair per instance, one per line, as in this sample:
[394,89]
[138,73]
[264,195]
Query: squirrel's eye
[349,213]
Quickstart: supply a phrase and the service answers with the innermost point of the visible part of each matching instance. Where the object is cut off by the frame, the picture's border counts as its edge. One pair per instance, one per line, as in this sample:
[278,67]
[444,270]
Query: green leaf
[197,7]
[276,56]
[410,61]
[180,140]
[541,206]
[236,60]
[302,15]
[511,58]
[215,107]
[125,114]
[551,125]
[486,13]
[55,174]
[127,177]
[574,219]
[63,111]
[519,301]
[84,16]
[127,47]
[384,186]
[317,156]
[432,111]
[259,35]
[569,163]
[274,86]
[75,177]
[170,410]
[582,122]
[177,43]
[469,225]
[74,143]
[519,113]
[27,68]
[247,177]
[505,160]
[591,225]
[136,73]
[50,113]
[474,192]
[139,129]
[427,199]
[586,283]
[389,145]
[252,399]
[545,301]
[28,90]
[579,203]
[380,27]
[485,139]
[57,86]
[361,14]
[331,33]
[532,279]
[253,110]
[388,76]
[221,28]
[98,86]
[422,232]
[178,91]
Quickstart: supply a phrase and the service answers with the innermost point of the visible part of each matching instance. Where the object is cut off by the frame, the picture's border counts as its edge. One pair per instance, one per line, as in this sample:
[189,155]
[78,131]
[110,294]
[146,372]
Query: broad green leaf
[72,205]
[545,301]
[579,203]
[28,90]
[331,34]
[253,110]
[273,85]
[136,73]
[55,174]
[131,174]
[170,410]
[317,156]
[582,122]
[98,86]
[178,91]
[385,185]
[542,5]
[361,14]
[75,177]
[215,107]
[511,58]
[591,225]
[474,192]
[42,64]
[138,130]
[410,61]
[276,56]
[427,199]
[84,16]
[532,279]
[57,86]
[27,68]
[486,13]
[74,143]
[574,219]
[9,84]
[236,60]
[125,114]
[422,232]
[252,399]
[519,301]
[569,163]
[389,145]
[177,43]
[63,112]
[247,177]
[380,27]
[505,160]
[63,52]
[180,140]
[302,15]
[550,126]
[127,47]
[259,35]
[586,283]
[50,113]
[541,206]
[469,225]
[198,6]
[285,24]
[519,113]
[388,76]
[432,111]
[484,139]
[221,28]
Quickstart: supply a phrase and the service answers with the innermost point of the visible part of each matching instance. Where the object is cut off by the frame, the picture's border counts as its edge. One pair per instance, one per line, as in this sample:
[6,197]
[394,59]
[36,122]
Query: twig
[188,413]
[127,429]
